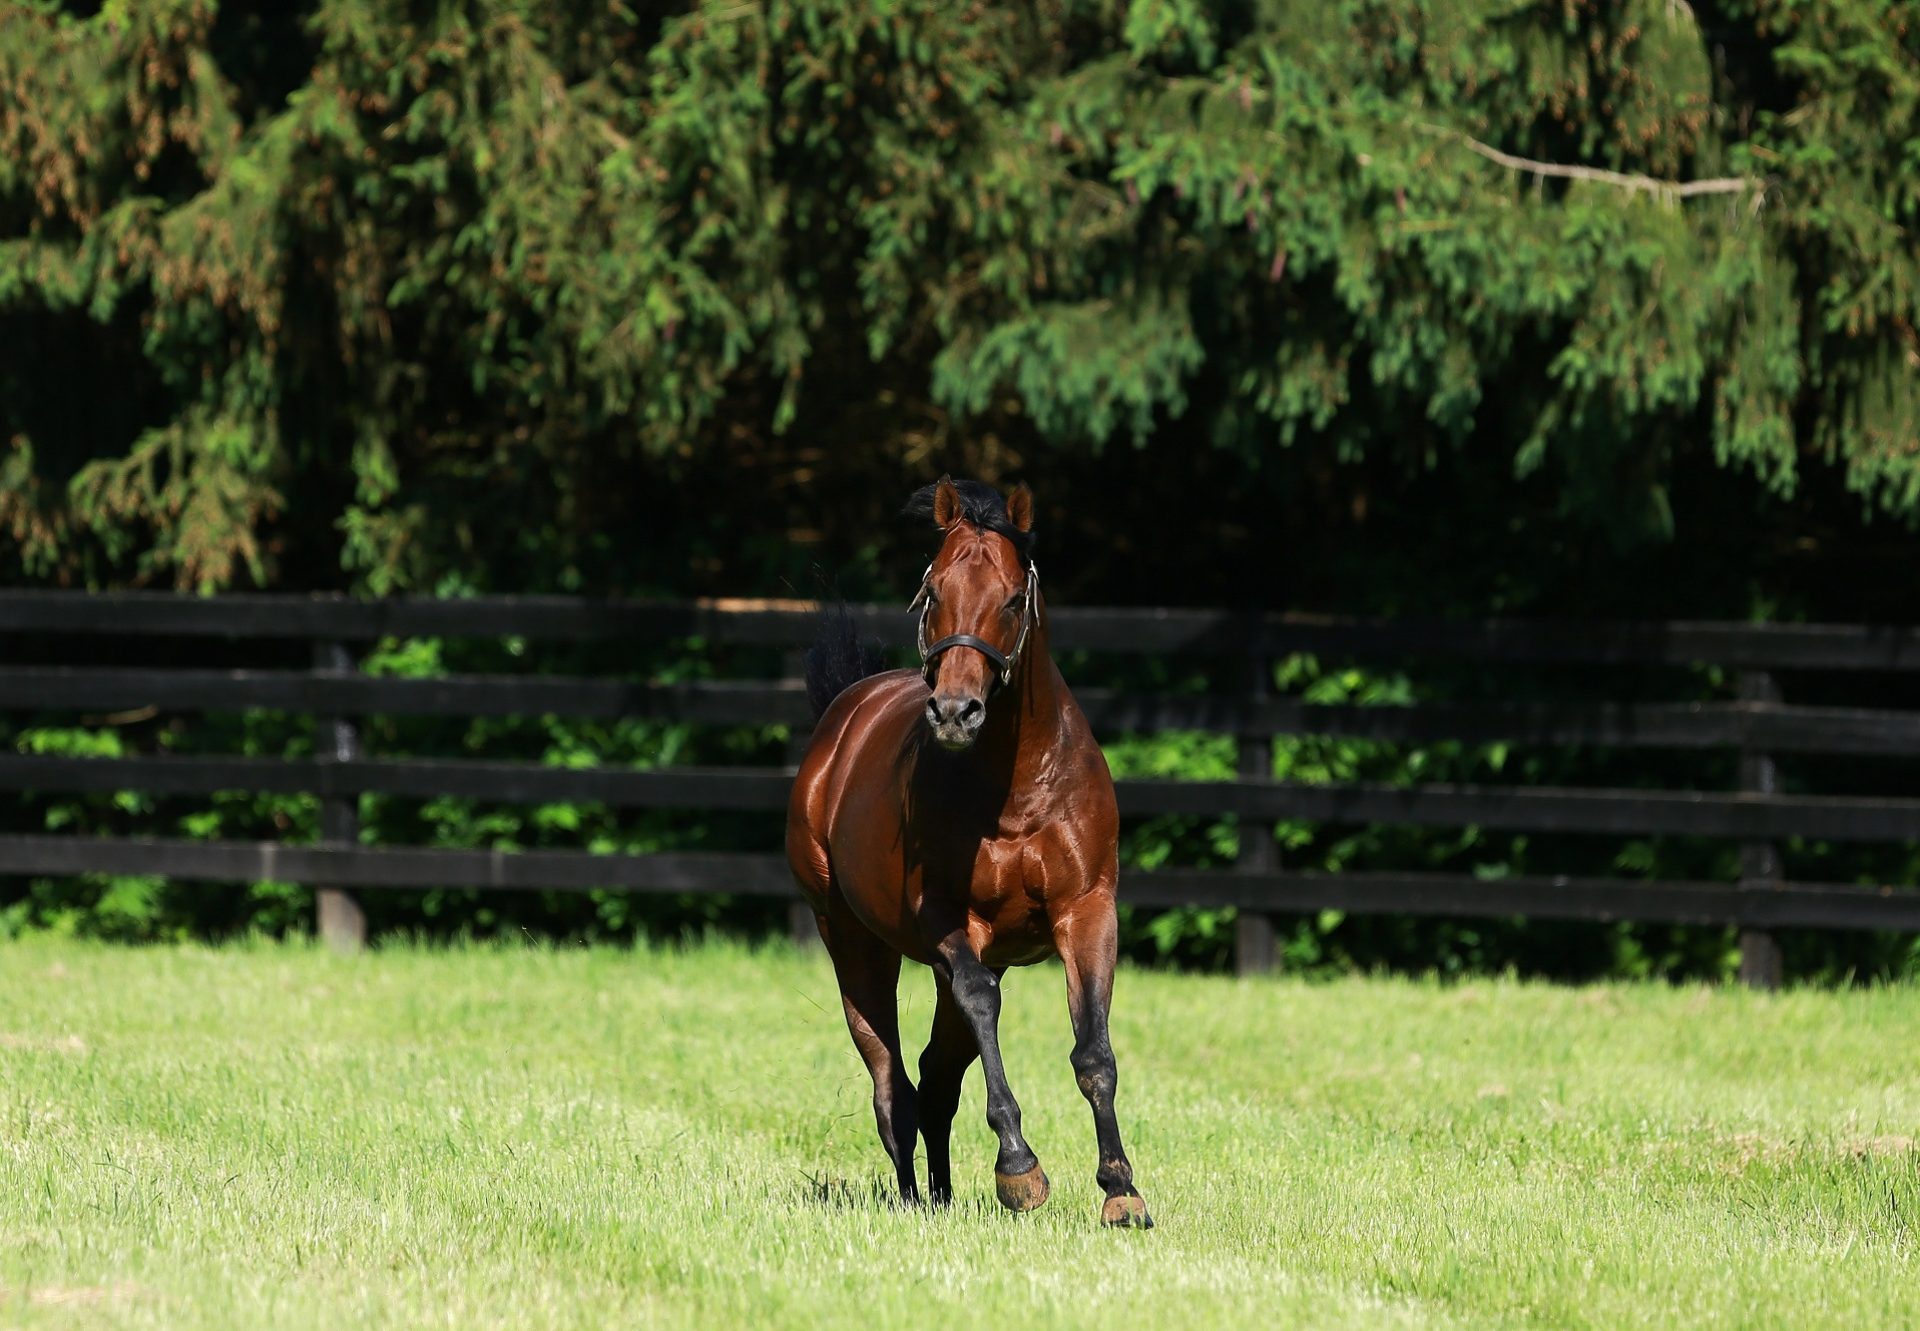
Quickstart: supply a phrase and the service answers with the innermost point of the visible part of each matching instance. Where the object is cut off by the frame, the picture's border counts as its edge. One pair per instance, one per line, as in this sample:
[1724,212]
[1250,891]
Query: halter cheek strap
[1003,662]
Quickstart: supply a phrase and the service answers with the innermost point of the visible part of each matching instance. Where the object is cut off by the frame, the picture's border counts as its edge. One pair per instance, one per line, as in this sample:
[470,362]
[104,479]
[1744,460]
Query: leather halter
[1003,663]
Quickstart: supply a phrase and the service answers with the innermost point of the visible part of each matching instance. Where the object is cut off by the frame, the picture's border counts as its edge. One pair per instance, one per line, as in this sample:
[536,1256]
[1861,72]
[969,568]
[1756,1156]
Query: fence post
[1253,943]
[340,921]
[1760,962]
[801,926]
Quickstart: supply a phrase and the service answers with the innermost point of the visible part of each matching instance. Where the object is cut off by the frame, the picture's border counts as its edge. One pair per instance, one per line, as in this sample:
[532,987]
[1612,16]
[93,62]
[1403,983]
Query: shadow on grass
[877,1194]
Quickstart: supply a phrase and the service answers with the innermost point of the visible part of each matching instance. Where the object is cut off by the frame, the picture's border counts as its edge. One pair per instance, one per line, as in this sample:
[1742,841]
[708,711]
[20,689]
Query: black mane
[980,504]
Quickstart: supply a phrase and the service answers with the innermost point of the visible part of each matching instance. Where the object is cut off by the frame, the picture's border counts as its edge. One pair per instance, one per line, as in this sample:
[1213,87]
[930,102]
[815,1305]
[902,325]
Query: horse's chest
[1005,876]
[1006,902]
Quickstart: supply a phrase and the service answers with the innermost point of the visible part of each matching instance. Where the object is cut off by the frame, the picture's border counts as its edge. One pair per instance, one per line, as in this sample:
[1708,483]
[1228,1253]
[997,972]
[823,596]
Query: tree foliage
[351,293]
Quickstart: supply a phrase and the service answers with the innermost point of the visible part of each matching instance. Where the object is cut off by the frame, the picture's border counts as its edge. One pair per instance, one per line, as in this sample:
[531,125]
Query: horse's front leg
[1088,941]
[950,1050]
[1018,1179]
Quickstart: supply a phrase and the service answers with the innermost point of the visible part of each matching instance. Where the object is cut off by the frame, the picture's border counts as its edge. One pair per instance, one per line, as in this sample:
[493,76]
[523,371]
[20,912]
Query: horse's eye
[1013,606]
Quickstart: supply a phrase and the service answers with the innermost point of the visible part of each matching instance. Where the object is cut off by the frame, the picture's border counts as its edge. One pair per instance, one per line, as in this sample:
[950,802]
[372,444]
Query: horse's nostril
[965,712]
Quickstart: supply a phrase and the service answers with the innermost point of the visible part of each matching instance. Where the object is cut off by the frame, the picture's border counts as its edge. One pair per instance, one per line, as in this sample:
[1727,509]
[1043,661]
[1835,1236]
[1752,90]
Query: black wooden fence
[1242,648]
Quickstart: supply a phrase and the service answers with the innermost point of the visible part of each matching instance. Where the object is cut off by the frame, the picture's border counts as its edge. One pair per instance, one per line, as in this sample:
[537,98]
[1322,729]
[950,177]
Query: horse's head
[977,604]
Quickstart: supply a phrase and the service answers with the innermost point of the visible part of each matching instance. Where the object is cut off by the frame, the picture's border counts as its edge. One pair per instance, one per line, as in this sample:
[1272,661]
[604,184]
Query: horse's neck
[1026,724]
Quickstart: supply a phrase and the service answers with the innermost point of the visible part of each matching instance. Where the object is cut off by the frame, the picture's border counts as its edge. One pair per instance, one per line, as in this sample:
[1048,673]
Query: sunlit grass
[272,1136]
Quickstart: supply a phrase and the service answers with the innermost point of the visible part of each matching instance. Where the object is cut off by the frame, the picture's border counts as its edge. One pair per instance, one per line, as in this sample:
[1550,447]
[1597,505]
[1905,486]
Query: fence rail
[1804,905]
[1509,808]
[1756,726]
[1142,631]
[1775,726]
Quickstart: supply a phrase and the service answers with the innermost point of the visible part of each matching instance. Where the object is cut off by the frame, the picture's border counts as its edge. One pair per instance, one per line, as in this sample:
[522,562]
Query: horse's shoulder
[884,692]
[878,704]
[861,696]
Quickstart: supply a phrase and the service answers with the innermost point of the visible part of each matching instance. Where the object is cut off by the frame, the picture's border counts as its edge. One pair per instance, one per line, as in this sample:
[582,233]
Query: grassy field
[272,1136]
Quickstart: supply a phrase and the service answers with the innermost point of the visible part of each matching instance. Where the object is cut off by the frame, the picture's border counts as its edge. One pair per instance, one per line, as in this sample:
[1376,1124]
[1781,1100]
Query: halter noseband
[1003,663]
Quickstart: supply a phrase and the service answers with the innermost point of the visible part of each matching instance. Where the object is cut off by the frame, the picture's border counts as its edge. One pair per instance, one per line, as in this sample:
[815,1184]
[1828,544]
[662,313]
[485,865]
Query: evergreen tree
[371,293]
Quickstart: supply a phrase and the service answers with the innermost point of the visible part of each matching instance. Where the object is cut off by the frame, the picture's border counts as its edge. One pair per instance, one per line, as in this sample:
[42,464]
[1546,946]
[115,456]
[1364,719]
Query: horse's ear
[1020,508]
[946,503]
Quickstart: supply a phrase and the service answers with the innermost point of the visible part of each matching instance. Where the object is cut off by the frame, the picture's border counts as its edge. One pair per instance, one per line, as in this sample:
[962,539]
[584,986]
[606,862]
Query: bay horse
[962,815]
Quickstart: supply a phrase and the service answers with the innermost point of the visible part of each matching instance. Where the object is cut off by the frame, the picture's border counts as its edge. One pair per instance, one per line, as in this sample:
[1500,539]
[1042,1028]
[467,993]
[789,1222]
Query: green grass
[271,1136]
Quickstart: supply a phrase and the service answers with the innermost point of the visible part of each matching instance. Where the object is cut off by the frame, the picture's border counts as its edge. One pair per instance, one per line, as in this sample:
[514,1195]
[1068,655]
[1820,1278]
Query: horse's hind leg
[869,975]
[943,1066]
[1087,944]
[1017,1177]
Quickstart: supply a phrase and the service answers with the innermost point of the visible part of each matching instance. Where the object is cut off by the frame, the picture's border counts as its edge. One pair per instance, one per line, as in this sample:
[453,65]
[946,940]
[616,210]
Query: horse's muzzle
[955,719]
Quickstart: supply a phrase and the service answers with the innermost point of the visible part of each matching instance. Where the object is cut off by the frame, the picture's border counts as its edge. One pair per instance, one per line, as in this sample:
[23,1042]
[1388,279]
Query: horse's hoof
[1021,1192]
[1127,1211]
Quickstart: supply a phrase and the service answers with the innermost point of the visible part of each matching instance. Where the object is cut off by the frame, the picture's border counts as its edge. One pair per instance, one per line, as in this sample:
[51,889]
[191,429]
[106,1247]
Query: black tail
[838,659]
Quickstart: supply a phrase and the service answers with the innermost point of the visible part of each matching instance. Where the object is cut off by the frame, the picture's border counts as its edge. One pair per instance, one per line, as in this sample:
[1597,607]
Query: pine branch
[1677,189]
